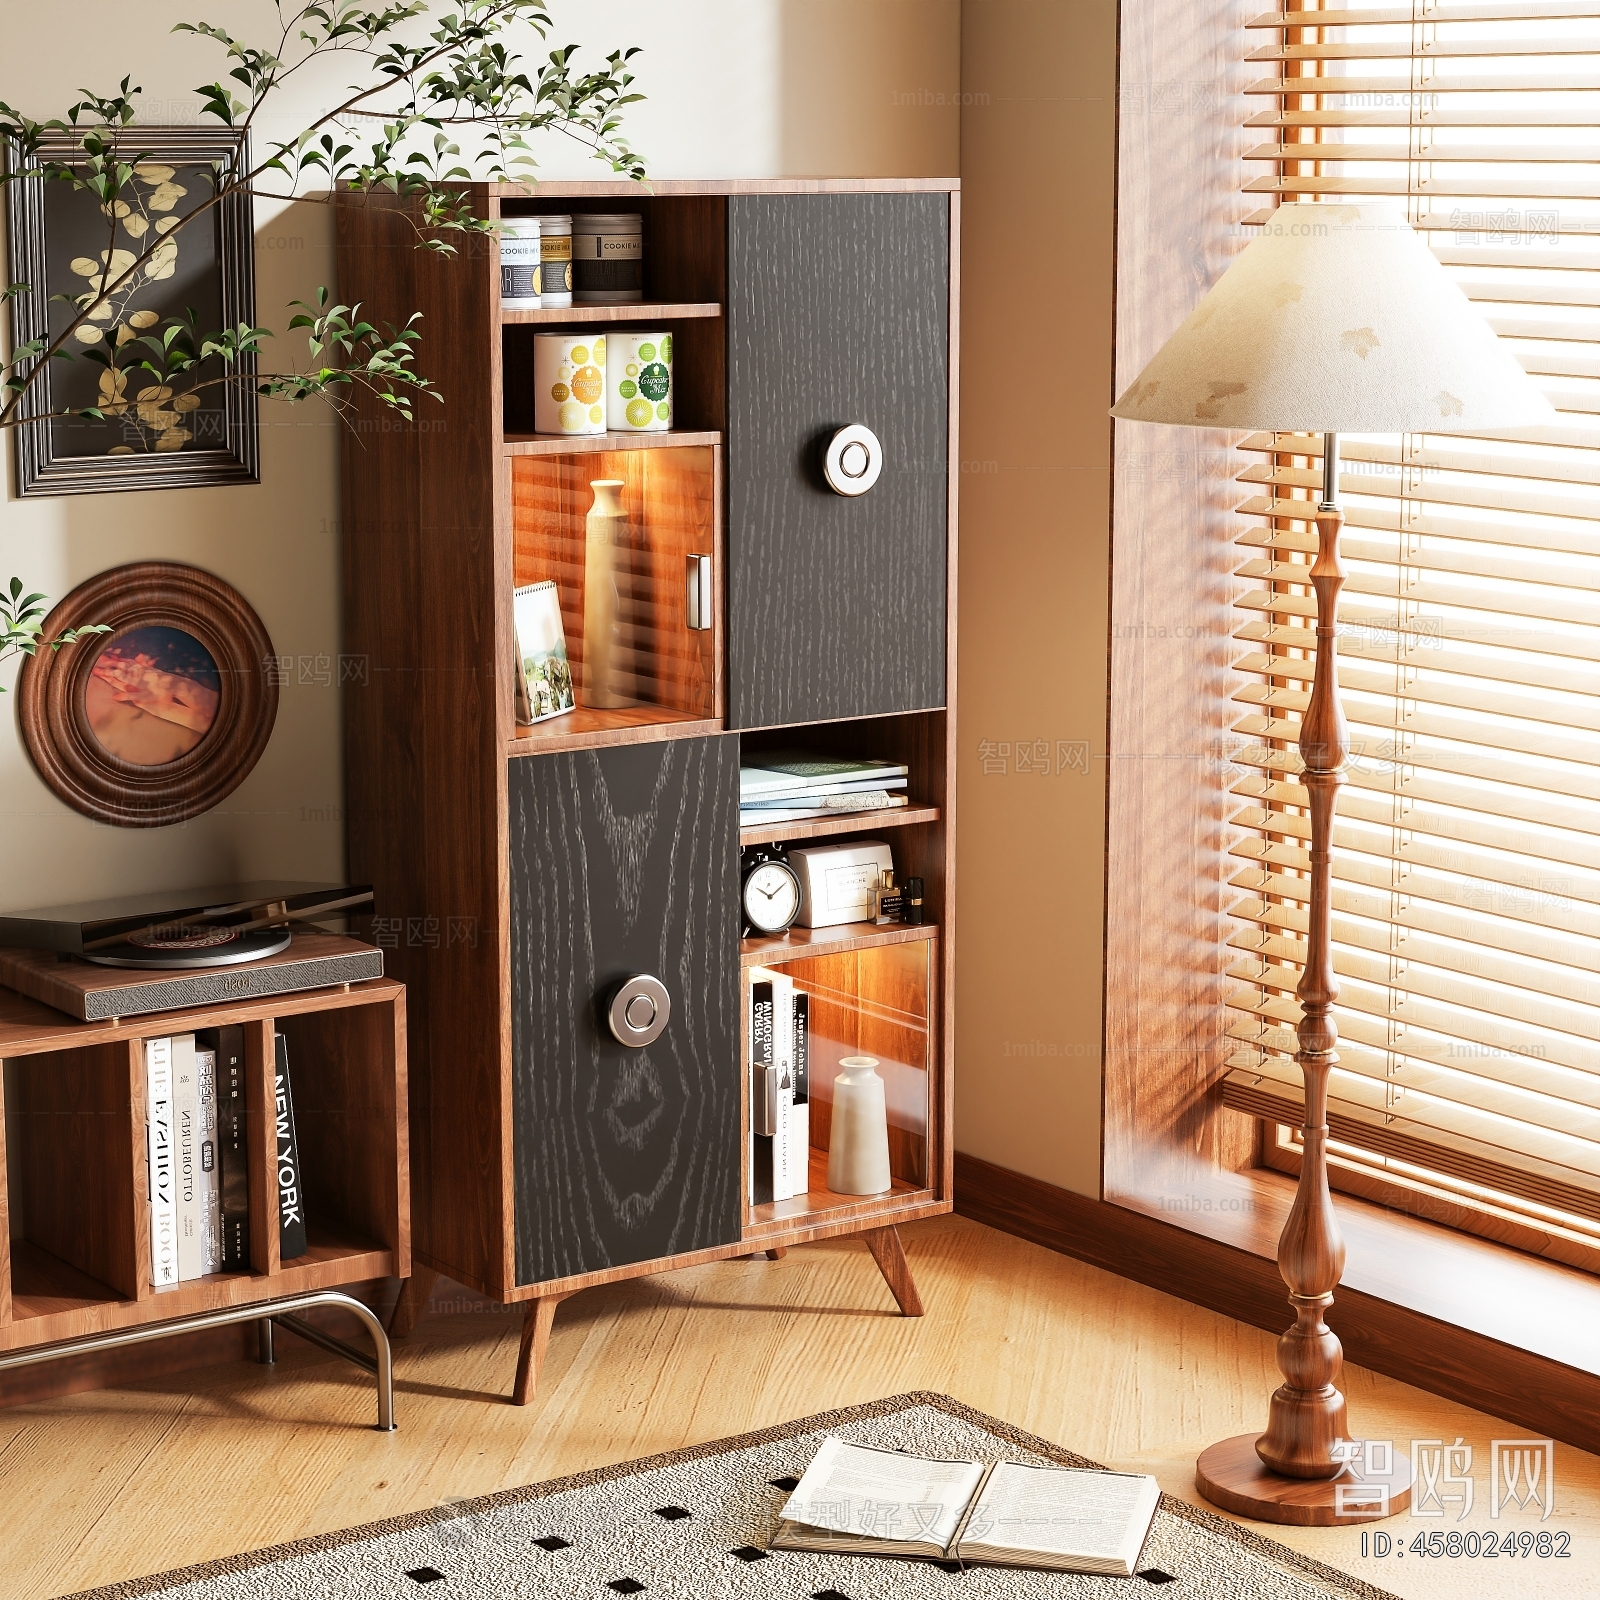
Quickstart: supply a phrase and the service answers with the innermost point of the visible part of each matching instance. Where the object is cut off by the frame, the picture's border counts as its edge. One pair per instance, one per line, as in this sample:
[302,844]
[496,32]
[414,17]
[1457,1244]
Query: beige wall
[1037,166]
[736,87]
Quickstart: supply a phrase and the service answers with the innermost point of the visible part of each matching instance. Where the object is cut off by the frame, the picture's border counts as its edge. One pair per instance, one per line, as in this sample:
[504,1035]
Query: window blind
[1466,901]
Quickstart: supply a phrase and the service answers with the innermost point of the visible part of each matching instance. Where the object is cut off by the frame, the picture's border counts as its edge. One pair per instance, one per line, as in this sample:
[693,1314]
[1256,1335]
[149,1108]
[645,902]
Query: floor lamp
[1334,319]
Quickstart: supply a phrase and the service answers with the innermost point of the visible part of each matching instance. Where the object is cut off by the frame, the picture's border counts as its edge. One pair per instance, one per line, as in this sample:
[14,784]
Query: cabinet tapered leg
[413,1301]
[889,1253]
[778,1252]
[536,1327]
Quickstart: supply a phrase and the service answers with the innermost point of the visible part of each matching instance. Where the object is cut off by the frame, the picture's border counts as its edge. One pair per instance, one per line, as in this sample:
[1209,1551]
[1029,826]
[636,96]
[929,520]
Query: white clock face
[771,897]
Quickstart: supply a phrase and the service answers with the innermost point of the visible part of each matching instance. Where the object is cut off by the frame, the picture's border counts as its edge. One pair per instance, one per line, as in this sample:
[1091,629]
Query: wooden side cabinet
[74,1198]
[523,873]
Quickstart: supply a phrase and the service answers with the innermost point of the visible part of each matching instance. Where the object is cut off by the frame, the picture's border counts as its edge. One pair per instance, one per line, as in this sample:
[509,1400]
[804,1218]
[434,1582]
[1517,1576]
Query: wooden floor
[116,1484]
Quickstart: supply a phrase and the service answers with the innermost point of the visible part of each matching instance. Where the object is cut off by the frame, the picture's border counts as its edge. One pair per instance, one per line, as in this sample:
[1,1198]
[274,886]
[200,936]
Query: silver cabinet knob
[853,460]
[639,1011]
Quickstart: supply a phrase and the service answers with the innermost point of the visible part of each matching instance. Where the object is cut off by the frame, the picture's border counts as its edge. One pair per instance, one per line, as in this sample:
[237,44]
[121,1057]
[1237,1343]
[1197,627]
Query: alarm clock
[769,892]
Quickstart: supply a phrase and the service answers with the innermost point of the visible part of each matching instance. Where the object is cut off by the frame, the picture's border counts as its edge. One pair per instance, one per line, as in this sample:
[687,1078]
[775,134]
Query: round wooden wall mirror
[162,717]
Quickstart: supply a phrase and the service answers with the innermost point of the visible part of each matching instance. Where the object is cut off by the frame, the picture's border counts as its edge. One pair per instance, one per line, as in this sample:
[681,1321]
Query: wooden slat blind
[1466,905]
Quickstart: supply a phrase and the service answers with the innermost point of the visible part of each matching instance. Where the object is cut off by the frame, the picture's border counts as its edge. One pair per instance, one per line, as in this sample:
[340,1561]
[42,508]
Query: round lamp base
[1232,1475]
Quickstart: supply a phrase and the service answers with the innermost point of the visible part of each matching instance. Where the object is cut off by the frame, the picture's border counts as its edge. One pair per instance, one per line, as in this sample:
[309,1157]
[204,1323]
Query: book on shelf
[783,1185]
[753,816]
[763,1084]
[800,1100]
[194,1118]
[791,769]
[779,1156]
[208,1173]
[795,787]
[233,1166]
[162,1168]
[859,1500]
[758,793]
[867,796]
[291,1190]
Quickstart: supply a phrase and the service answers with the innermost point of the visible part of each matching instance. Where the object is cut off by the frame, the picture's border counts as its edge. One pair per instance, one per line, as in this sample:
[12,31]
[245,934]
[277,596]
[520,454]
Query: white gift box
[837,880]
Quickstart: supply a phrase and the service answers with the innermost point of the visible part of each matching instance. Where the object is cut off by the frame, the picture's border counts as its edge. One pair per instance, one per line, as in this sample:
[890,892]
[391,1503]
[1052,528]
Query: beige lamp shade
[1336,319]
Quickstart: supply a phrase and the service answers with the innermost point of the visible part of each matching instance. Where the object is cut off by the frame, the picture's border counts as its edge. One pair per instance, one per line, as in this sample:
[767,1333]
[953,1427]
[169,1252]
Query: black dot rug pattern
[695,1524]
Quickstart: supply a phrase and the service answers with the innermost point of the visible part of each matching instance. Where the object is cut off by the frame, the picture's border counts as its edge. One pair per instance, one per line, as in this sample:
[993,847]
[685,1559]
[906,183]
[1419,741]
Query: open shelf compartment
[879,1002]
[665,670]
[75,1241]
[914,738]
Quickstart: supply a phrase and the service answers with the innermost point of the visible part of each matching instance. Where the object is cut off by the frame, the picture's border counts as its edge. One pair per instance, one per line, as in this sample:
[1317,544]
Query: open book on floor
[857,1500]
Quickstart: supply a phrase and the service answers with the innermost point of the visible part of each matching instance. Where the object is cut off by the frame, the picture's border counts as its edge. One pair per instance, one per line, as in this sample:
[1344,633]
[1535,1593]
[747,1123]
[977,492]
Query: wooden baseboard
[1548,1397]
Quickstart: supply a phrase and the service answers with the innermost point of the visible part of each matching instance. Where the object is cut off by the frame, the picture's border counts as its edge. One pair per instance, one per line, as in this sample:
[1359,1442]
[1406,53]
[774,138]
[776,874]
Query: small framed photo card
[542,652]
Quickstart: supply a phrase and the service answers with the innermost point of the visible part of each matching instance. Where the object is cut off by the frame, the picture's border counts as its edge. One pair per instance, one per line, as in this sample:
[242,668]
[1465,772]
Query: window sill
[1482,1287]
[1463,1317]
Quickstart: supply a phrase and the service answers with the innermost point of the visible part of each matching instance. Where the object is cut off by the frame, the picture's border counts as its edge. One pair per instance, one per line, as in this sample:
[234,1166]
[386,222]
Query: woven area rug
[694,1524]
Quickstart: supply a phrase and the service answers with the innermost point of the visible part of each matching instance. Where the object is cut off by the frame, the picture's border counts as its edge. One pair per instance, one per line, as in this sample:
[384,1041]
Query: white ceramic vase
[858,1145]
[605,545]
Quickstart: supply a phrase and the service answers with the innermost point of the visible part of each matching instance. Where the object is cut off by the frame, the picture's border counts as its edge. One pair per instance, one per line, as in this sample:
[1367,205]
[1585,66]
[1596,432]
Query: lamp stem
[1307,1417]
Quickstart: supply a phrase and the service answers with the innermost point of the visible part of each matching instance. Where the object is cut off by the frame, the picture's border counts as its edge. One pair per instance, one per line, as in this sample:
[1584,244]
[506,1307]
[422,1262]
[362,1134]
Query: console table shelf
[74,1196]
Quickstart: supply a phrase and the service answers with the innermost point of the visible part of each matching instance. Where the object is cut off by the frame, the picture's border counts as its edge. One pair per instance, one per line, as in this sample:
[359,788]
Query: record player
[160,951]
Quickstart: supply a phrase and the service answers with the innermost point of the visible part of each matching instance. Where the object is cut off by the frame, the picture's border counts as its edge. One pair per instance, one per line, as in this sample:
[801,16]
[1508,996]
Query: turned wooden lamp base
[1231,1475]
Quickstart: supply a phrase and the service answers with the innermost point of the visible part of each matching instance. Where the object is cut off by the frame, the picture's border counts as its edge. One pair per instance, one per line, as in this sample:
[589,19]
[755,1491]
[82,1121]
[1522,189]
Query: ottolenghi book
[194,1119]
[209,1177]
[163,1170]
[291,1191]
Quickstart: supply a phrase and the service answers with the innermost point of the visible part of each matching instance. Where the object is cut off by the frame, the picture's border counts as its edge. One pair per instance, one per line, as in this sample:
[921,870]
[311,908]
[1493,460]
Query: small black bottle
[911,906]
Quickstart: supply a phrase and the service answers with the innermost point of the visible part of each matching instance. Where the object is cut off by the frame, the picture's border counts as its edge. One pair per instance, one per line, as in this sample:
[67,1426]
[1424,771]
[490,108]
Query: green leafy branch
[22,623]
[459,82]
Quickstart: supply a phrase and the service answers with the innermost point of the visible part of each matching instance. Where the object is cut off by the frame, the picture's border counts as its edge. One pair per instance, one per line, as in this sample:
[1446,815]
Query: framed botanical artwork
[164,714]
[140,276]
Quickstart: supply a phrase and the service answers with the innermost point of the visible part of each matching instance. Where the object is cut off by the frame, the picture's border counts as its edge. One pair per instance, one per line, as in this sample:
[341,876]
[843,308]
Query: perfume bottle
[887,901]
[911,914]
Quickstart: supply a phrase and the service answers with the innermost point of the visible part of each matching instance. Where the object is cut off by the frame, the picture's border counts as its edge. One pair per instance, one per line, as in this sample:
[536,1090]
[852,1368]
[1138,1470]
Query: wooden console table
[74,1199]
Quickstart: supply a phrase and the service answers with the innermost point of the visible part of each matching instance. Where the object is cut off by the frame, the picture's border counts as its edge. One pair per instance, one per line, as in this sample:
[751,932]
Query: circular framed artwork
[164,715]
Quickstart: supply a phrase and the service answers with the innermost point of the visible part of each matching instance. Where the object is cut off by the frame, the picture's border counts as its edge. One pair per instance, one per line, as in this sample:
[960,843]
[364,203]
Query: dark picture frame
[54,233]
[62,697]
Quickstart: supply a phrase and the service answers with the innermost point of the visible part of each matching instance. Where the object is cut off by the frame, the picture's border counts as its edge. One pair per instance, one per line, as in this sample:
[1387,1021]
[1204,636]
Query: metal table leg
[263,1314]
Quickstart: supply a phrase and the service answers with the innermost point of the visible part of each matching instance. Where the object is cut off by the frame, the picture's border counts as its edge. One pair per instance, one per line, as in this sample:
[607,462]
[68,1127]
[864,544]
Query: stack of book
[779,1029]
[198,1142]
[794,786]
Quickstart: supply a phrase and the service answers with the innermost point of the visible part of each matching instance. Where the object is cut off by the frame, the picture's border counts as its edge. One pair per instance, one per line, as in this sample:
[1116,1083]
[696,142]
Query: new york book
[291,1191]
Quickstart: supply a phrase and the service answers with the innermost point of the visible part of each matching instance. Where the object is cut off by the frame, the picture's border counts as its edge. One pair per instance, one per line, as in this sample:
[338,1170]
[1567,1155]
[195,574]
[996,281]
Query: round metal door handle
[853,460]
[639,1011]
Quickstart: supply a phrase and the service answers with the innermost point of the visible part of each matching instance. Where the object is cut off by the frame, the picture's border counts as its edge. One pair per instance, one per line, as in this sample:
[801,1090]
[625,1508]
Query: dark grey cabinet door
[838,312]
[624,861]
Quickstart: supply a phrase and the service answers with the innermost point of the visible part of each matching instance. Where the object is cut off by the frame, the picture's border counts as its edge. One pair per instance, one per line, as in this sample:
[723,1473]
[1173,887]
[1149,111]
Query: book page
[859,1492]
[1057,1511]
